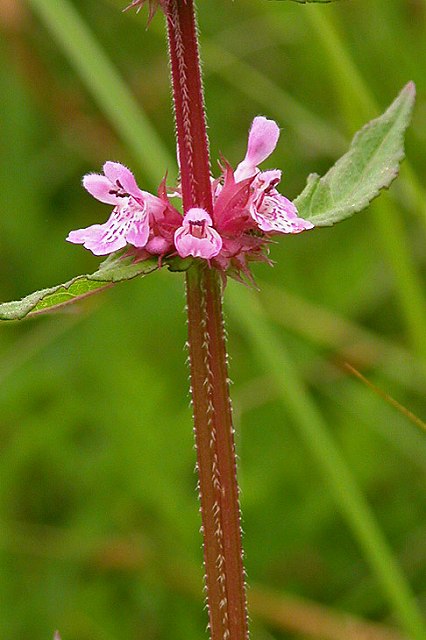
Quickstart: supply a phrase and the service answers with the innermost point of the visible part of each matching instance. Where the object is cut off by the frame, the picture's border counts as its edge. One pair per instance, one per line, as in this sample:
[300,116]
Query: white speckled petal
[277,214]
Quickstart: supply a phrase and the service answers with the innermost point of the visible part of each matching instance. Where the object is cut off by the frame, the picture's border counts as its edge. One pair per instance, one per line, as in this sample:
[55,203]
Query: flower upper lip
[263,138]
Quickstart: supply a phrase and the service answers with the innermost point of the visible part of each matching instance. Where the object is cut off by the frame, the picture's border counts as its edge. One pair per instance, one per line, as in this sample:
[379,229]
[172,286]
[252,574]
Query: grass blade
[273,357]
[106,86]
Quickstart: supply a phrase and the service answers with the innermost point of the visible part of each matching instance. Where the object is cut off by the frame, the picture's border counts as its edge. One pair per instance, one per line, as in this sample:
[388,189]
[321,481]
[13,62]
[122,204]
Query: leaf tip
[407,95]
[410,88]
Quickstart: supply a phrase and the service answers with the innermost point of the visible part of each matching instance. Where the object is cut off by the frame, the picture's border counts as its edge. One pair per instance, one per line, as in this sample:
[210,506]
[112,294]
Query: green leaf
[116,268]
[371,164]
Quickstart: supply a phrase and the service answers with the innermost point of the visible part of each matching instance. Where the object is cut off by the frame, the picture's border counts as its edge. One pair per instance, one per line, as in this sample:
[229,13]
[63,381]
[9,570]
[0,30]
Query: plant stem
[191,131]
[215,458]
[216,462]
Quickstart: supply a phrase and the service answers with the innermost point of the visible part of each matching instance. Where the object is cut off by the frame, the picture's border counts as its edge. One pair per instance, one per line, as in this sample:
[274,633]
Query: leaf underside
[370,165]
[116,268]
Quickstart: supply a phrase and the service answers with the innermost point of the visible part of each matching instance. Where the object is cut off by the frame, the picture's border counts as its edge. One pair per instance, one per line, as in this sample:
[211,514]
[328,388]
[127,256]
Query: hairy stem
[215,458]
[191,131]
[216,462]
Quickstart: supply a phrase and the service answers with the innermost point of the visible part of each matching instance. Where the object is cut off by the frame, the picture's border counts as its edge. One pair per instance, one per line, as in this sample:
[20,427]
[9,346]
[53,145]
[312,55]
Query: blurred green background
[99,523]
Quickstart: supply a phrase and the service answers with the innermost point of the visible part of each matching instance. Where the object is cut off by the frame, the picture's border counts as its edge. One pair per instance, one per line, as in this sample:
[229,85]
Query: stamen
[119,192]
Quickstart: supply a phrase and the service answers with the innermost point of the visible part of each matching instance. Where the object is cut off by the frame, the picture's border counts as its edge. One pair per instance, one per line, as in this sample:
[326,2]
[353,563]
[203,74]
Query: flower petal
[196,237]
[138,232]
[133,217]
[263,138]
[118,174]
[98,239]
[128,223]
[79,236]
[277,214]
[153,204]
[267,180]
[100,188]
[187,245]
[197,215]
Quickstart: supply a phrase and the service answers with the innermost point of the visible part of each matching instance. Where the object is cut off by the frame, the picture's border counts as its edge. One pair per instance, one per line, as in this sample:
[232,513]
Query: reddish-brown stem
[189,105]
[215,458]
[216,461]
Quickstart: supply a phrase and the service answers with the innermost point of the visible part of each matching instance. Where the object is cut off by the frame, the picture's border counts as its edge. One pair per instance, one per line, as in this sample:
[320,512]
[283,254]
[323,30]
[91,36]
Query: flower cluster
[247,211]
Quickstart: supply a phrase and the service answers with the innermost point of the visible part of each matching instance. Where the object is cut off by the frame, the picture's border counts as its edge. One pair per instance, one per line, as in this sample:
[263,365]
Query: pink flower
[129,221]
[272,212]
[196,237]
[247,211]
